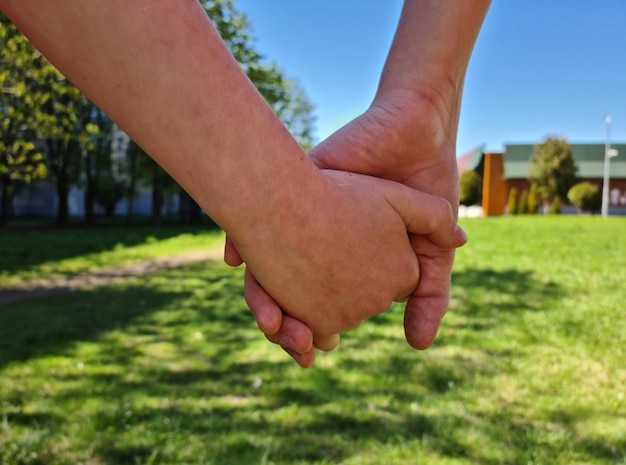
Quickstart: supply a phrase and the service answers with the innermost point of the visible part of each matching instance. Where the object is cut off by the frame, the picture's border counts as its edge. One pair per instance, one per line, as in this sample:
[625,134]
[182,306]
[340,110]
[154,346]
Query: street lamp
[608,154]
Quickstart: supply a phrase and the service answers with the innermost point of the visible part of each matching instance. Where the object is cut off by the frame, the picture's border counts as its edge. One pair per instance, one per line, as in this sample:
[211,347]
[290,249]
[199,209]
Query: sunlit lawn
[529,368]
[34,254]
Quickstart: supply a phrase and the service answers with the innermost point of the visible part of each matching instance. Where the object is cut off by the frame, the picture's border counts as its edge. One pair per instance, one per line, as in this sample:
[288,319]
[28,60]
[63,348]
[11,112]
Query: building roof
[470,160]
[589,160]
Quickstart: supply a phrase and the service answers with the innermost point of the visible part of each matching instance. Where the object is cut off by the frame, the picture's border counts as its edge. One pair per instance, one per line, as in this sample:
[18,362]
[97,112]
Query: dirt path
[101,277]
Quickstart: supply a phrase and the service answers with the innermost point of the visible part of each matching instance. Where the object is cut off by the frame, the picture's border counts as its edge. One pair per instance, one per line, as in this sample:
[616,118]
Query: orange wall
[494,185]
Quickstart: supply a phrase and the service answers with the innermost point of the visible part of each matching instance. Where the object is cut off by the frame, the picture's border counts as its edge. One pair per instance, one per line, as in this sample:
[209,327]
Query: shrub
[533,200]
[512,203]
[470,188]
[555,207]
[586,197]
[522,208]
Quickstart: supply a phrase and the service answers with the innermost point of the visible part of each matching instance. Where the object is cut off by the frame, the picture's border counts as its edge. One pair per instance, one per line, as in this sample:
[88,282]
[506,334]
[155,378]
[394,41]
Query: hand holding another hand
[354,269]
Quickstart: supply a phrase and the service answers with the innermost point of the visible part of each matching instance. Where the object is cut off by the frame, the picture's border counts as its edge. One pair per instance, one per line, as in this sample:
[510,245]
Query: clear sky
[540,67]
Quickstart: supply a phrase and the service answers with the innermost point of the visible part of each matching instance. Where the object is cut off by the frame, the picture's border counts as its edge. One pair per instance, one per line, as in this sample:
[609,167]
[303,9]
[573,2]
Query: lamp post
[608,154]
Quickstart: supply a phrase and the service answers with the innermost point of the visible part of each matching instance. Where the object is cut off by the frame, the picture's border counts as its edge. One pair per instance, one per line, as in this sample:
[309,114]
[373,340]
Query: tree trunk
[5,205]
[90,214]
[63,212]
[183,206]
[90,190]
[131,192]
[157,200]
[130,198]
[195,212]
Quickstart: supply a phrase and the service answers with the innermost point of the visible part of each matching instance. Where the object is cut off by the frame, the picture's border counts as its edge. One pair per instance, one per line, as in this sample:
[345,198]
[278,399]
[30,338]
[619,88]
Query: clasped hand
[340,262]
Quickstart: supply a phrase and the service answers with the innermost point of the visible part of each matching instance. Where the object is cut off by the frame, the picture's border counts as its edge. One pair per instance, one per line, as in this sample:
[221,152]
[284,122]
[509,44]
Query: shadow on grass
[22,250]
[176,372]
[486,298]
[509,289]
[34,328]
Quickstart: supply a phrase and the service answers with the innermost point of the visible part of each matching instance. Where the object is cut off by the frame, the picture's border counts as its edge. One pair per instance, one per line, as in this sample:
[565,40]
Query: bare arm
[431,51]
[315,241]
[159,69]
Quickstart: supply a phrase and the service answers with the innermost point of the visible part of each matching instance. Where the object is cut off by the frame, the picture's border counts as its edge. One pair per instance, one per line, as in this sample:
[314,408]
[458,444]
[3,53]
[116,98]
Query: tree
[100,180]
[50,110]
[470,184]
[67,130]
[586,197]
[21,159]
[553,169]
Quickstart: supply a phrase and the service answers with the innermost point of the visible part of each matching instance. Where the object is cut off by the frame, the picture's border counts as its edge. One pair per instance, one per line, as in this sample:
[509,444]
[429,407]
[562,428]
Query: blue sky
[540,67]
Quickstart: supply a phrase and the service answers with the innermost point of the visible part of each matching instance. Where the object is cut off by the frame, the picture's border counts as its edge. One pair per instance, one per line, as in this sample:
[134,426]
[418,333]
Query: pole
[605,182]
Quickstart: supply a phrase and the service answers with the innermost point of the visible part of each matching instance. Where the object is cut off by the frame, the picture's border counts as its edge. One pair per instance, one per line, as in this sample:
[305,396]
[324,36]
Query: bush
[470,188]
[555,207]
[522,208]
[512,203]
[586,197]
[533,200]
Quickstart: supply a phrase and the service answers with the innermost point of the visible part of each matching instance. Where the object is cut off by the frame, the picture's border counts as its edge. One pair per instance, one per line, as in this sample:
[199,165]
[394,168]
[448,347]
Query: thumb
[231,256]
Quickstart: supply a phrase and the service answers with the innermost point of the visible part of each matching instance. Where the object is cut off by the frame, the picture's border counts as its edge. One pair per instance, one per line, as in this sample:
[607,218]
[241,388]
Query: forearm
[161,72]
[431,49]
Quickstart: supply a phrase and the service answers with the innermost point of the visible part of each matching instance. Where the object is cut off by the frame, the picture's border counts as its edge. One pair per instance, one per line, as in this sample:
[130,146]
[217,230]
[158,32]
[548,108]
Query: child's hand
[369,264]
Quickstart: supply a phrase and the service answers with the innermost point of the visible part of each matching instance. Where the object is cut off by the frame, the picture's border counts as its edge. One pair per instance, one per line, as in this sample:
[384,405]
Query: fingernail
[460,235]
[288,344]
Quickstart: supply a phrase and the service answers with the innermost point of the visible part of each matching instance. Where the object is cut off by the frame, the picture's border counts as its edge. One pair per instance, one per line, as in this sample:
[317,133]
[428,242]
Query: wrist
[422,123]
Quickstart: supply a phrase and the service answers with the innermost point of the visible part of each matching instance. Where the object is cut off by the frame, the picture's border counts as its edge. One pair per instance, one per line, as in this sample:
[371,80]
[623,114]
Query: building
[503,171]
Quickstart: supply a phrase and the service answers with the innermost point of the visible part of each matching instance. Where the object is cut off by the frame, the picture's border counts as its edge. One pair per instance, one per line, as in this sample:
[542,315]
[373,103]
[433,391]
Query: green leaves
[470,186]
[553,169]
[21,161]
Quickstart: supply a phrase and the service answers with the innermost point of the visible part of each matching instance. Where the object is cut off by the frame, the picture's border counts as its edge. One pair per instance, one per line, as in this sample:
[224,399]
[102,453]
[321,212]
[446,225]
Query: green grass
[529,368]
[35,254]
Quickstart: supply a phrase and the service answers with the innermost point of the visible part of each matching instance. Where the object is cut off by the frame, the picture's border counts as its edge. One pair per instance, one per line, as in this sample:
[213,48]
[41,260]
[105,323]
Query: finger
[428,304]
[293,336]
[326,343]
[305,360]
[231,256]
[267,313]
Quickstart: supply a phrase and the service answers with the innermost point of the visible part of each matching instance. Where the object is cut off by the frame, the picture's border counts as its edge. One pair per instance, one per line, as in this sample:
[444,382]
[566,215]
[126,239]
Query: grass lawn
[529,368]
[34,254]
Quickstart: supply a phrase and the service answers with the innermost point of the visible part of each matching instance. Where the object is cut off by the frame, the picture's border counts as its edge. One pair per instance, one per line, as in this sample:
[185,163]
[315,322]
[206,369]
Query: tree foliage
[470,184]
[553,169]
[47,112]
[21,160]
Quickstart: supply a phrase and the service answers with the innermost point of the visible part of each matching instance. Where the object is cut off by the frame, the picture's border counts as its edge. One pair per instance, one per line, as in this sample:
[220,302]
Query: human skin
[408,135]
[331,247]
